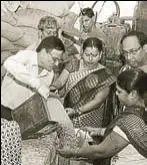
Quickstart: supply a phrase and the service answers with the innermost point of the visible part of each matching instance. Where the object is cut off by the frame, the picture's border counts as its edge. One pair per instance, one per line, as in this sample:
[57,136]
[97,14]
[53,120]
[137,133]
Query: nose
[56,63]
[90,58]
[129,56]
[84,23]
[116,93]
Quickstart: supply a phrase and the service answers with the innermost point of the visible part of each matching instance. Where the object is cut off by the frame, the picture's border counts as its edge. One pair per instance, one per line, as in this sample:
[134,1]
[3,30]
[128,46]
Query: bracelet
[101,132]
[79,112]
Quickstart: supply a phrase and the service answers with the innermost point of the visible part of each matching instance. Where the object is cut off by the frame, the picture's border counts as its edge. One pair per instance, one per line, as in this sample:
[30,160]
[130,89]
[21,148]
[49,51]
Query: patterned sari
[82,87]
[131,122]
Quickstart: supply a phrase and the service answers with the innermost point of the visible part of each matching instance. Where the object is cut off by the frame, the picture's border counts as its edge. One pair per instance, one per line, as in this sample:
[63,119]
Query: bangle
[79,112]
[101,132]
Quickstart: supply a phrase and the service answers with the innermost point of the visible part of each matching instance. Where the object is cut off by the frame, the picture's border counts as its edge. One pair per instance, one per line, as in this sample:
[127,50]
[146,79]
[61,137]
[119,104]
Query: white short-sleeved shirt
[129,155]
[23,66]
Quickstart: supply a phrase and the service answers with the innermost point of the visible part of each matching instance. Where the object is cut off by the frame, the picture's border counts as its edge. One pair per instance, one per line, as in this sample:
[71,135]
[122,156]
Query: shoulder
[144,68]
[97,32]
[26,52]
[133,123]
[25,55]
[120,132]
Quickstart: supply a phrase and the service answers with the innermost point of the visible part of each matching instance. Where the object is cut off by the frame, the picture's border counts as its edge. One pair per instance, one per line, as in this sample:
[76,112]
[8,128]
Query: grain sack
[5,55]
[10,32]
[6,45]
[30,17]
[56,8]
[29,36]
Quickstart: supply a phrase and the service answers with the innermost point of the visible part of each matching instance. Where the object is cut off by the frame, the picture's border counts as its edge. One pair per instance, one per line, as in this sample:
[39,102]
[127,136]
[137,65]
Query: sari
[131,122]
[81,87]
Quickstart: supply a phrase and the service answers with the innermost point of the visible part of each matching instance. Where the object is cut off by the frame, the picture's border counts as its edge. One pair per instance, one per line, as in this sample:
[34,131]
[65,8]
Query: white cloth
[129,155]
[24,67]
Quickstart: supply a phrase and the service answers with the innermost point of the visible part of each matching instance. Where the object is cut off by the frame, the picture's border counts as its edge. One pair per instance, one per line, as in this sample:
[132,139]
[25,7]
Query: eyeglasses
[132,51]
[56,59]
[91,54]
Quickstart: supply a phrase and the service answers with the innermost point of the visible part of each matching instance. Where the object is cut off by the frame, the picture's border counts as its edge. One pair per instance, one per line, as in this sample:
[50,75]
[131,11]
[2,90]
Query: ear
[133,95]
[100,55]
[81,52]
[145,48]
[94,18]
[43,52]
[39,34]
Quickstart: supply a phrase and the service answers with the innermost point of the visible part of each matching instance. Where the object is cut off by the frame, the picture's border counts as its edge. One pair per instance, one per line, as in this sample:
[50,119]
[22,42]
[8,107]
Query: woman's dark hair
[93,42]
[87,12]
[134,79]
[50,43]
[142,38]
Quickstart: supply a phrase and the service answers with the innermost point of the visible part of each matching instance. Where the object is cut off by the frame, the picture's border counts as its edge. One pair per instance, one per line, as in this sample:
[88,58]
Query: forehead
[56,53]
[91,50]
[85,17]
[130,42]
[51,26]
[120,89]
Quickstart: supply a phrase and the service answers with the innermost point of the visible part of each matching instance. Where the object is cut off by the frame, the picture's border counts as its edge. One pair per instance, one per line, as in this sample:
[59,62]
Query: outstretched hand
[71,112]
[92,131]
[66,152]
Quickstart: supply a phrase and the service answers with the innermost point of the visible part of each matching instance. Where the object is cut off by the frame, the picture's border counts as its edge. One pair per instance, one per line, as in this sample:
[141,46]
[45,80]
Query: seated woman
[87,86]
[128,132]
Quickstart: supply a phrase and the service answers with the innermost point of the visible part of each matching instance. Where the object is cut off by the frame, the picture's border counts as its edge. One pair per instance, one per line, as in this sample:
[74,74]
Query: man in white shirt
[30,71]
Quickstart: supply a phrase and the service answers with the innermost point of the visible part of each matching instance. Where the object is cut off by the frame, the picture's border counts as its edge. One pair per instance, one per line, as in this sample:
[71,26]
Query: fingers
[87,129]
[63,152]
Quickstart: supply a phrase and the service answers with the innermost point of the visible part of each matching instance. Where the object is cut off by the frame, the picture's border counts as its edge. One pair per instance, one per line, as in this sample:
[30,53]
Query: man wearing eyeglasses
[30,72]
[134,49]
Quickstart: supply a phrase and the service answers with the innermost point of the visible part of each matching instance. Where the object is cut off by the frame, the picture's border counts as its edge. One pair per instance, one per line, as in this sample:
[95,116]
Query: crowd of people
[54,64]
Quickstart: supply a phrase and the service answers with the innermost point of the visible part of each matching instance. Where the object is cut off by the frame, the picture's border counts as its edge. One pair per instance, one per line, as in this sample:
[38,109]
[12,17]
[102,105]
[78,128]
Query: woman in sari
[87,86]
[128,132]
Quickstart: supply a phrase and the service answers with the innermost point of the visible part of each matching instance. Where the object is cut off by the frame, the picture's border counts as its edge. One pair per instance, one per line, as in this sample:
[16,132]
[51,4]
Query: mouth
[86,28]
[133,63]
[49,68]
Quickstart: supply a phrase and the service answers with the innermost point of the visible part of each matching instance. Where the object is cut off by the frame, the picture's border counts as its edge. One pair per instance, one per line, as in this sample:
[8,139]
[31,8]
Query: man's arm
[16,65]
[61,80]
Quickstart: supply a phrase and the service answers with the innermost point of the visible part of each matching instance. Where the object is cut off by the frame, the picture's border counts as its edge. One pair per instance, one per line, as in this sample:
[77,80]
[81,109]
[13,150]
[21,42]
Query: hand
[52,88]
[71,112]
[66,152]
[92,131]
[44,91]
[83,36]
[54,94]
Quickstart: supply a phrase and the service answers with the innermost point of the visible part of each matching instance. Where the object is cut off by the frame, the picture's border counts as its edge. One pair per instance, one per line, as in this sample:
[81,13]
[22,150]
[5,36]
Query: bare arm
[99,98]
[110,146]
[61,80]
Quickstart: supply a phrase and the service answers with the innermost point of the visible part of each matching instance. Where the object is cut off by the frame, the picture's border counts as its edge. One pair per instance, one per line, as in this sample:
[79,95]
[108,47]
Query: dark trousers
[6,113]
